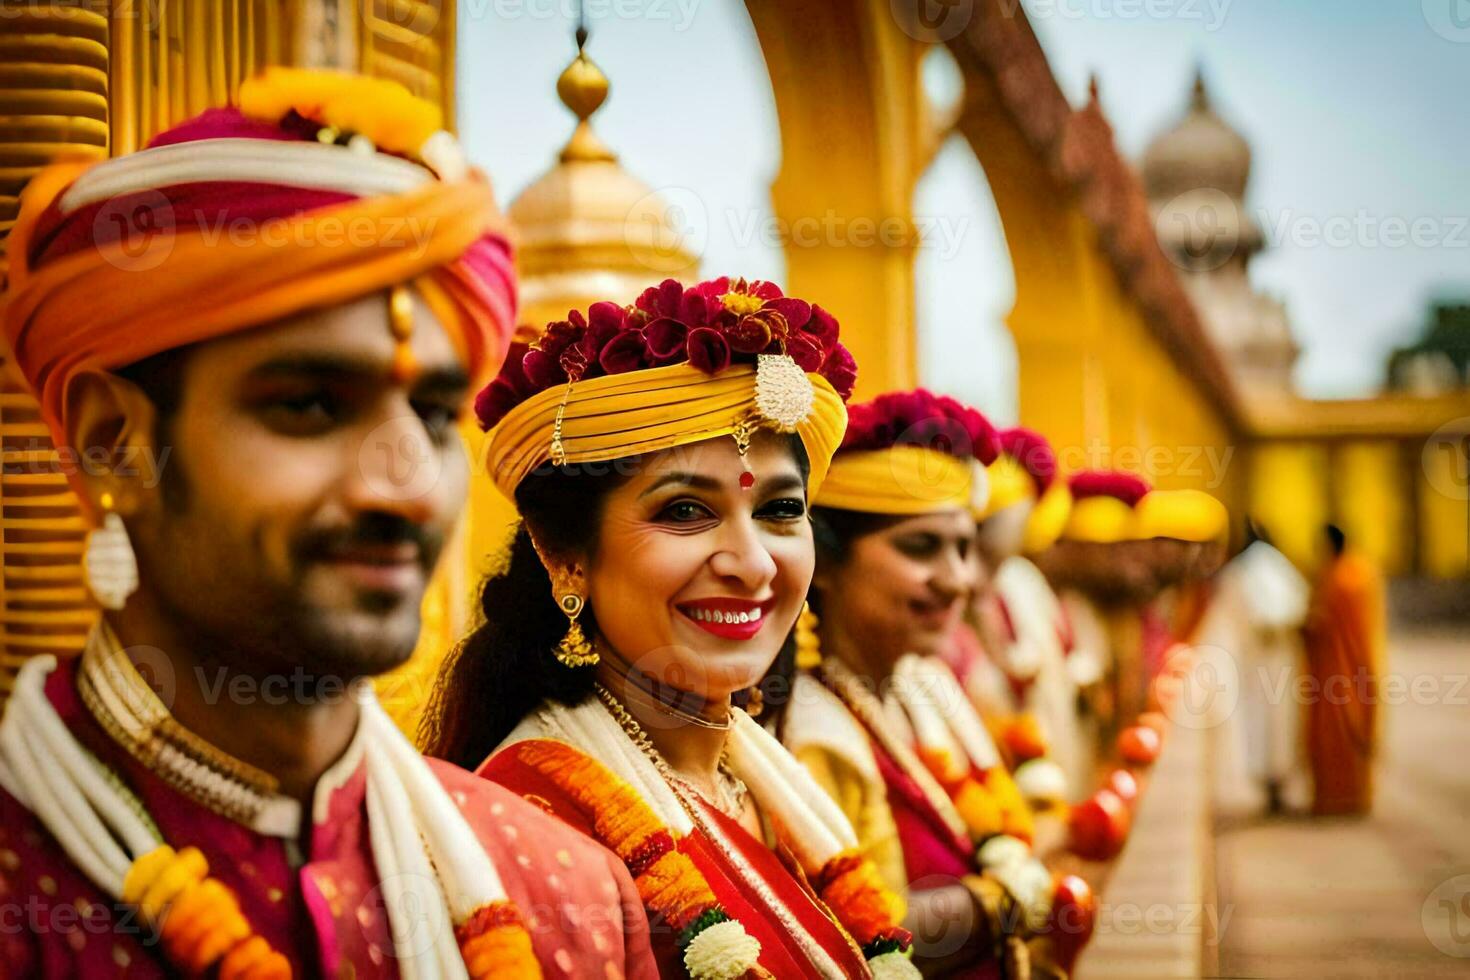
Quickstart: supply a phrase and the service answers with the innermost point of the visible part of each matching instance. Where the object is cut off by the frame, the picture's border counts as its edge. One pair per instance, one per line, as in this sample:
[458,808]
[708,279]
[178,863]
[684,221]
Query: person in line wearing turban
[1037,670]
[211,789]
[661,455]
[877,714]
[1103,576]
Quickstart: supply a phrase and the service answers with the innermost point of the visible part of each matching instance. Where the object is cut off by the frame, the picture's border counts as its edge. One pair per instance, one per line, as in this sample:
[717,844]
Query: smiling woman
[661,456]
[876,714]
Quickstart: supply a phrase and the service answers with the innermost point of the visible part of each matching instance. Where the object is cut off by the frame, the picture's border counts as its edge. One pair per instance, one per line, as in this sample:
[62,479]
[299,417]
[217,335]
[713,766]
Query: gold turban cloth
[1048,518]
[1185,515]
[1100,520]
[619,415]
[903,480]
[1010,484]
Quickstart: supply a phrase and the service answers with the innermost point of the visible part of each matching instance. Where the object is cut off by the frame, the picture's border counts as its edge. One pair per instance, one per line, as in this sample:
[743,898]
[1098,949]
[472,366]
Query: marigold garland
[198,917]
[988,800]
[850,886]
[494,943]
[254,960]
[667,880]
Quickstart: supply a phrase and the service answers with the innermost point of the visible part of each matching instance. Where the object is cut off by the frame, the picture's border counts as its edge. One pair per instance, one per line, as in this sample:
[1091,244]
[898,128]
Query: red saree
[736,869]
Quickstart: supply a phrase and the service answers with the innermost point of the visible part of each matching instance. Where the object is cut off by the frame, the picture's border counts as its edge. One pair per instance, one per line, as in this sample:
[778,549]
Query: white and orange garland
[637,813]
[957,748]
[954,743]
[427,856]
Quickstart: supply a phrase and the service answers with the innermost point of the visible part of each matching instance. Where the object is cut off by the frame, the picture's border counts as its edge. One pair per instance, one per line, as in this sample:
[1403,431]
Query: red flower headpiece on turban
[678,366]
[911,452]
[921,418]
[1032,453]
[1103,511]
[709,326]
[1109,483]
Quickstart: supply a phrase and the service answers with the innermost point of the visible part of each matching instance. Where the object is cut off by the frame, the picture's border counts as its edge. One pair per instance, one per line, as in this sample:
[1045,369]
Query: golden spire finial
[1199,99]
[582,88]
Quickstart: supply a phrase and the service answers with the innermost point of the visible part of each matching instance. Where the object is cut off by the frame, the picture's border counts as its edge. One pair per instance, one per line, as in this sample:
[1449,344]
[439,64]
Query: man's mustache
[371,530]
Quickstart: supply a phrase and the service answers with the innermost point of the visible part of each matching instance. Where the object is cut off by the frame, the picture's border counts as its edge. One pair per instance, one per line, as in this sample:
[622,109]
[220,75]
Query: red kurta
[780,953]
[323,909]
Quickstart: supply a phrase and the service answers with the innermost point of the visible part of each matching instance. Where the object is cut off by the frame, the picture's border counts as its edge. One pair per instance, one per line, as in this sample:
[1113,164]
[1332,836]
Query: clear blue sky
[1357,111]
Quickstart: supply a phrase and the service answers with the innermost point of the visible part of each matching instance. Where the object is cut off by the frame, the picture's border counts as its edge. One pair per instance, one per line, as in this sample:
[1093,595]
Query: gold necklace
[731,788]
[820,960]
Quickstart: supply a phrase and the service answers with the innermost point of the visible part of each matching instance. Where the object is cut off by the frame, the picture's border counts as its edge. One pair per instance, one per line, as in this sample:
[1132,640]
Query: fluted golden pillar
[97,78]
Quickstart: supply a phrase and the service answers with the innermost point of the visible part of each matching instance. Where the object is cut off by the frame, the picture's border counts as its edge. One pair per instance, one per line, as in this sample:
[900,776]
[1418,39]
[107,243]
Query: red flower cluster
[1030,449]
[921,418]
[710,325]
[1109,483]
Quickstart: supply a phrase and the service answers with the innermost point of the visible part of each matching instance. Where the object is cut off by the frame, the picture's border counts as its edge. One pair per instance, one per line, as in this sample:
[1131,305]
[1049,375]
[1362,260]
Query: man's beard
[269,629]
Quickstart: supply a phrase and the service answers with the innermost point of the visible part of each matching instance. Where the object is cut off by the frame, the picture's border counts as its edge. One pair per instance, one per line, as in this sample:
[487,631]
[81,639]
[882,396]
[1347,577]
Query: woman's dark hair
[833,531]
[498,673]
[505,667]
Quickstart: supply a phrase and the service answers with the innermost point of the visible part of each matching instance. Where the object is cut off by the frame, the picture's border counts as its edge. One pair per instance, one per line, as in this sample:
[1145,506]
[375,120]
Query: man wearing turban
[258,335]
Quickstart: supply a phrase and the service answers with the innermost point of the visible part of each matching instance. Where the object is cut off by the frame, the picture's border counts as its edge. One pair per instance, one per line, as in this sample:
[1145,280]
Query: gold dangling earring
[574,650]
[109,565]
[808,645]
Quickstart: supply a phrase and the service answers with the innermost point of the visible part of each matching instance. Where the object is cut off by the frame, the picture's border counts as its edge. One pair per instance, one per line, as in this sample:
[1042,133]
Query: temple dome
[1201,150]
[587,230]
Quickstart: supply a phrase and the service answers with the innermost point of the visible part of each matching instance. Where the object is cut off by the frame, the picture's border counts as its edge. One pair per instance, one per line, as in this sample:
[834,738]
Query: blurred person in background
[1345,635]
[1250,640]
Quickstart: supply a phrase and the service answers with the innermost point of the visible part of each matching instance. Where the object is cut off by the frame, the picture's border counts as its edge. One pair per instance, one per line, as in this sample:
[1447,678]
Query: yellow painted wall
[1371,494]
[1444,532]
[1288,496]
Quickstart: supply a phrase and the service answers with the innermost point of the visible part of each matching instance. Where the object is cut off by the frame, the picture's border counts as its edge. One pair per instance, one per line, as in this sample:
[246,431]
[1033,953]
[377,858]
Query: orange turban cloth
[241,217]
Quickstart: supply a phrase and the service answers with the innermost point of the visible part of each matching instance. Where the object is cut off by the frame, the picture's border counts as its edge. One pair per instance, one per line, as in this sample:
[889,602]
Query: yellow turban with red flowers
[321,187]
[1026,470]
[1103,507]
[679,366]
[908,453]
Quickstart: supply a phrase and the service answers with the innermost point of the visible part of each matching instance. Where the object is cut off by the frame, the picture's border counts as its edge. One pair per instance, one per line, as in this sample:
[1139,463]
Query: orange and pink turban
[321,188]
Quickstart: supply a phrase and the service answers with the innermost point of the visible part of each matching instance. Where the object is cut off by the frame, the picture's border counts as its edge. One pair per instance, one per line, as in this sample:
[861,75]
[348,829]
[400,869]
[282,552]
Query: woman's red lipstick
[729,619]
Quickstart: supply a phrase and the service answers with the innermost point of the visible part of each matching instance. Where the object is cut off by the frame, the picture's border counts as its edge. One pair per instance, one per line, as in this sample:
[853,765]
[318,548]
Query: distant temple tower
[1195,174]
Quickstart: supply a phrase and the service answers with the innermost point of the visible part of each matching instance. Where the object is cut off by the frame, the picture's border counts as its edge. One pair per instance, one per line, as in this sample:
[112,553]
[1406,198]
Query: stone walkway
[1384,896]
